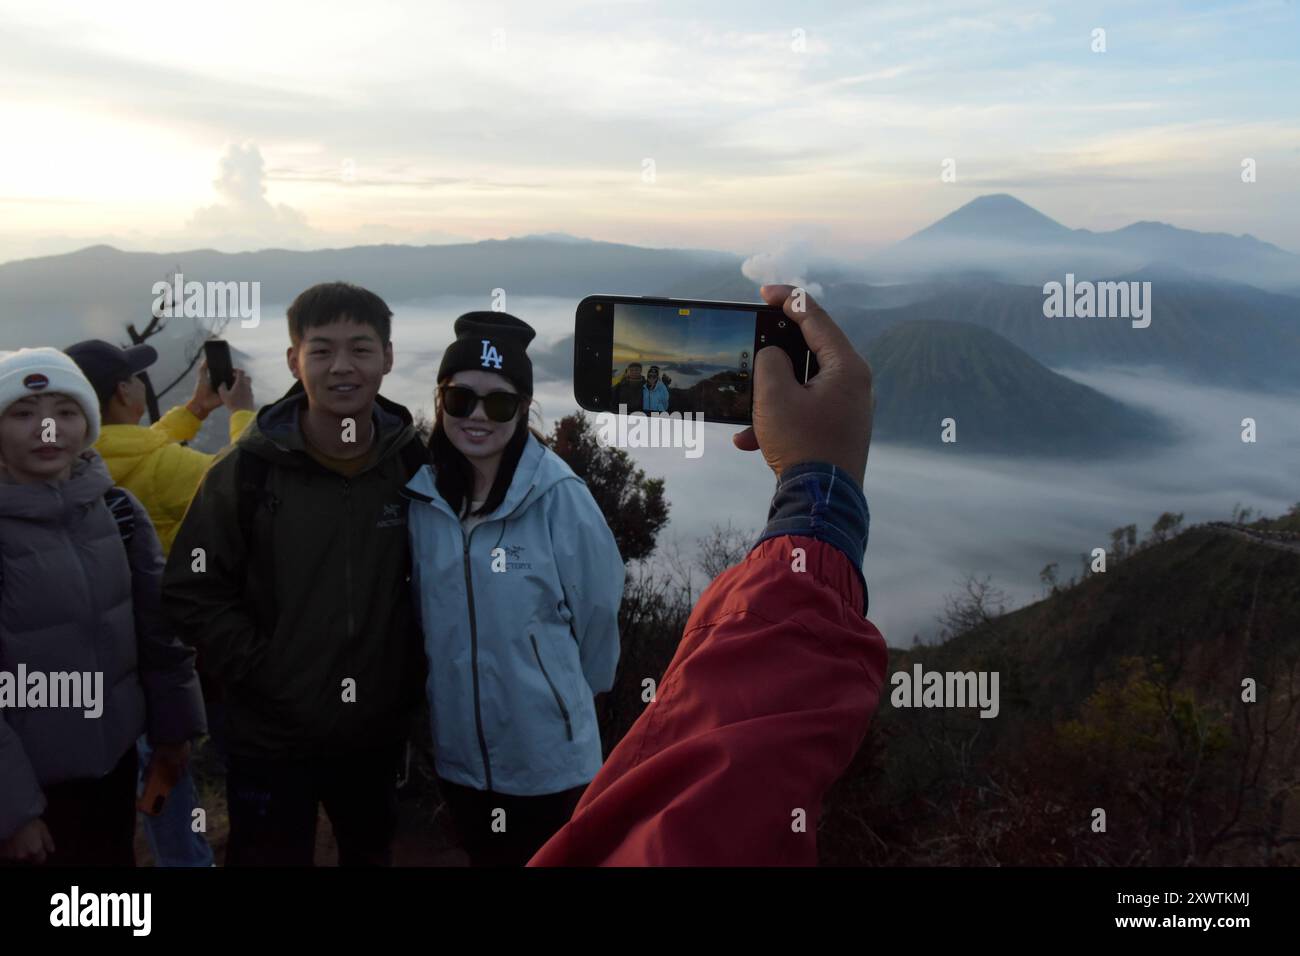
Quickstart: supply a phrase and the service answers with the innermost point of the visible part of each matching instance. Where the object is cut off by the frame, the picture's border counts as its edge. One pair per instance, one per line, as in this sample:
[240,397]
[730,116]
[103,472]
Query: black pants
[273,806]
[528,822]
[92,822]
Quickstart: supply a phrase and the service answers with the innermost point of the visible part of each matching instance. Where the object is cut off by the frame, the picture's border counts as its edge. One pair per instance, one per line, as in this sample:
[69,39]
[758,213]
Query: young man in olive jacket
[290,575]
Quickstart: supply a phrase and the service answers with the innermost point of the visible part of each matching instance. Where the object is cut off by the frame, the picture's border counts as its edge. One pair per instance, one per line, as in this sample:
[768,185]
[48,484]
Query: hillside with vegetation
[1129,691]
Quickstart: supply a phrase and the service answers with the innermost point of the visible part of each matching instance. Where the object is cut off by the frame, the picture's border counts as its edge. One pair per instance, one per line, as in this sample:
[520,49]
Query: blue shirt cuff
[816,499]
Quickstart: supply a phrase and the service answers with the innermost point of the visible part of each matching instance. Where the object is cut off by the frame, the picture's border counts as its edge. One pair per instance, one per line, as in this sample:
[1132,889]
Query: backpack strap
[252,474]
[119,503]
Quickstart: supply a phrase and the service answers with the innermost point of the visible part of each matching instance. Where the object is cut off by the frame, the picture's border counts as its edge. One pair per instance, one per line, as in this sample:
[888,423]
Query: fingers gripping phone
[648,354]
[221,369]
[159,781]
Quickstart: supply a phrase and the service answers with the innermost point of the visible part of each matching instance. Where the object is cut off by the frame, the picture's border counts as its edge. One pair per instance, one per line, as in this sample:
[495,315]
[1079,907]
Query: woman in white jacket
[518,580]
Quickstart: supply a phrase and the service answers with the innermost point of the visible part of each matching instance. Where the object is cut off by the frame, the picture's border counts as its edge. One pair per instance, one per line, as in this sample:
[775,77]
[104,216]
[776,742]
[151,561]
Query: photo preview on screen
[676,367]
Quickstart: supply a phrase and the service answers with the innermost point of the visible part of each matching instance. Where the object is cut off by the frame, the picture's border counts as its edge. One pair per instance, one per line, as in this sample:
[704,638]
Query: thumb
[773,376]
[745,439]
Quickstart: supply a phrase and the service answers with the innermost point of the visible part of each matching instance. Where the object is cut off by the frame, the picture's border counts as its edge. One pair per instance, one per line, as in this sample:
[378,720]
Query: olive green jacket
[293,582]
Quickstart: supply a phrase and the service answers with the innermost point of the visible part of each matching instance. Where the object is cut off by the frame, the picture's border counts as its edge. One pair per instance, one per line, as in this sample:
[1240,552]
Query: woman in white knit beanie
[80,570]
[49,414]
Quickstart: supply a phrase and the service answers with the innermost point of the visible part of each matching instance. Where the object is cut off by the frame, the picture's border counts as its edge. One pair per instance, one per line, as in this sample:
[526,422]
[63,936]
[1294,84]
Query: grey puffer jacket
[74,599]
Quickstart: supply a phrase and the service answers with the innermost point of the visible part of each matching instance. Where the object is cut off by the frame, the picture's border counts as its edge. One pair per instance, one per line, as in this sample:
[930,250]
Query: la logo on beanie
[490,355]
[36,381]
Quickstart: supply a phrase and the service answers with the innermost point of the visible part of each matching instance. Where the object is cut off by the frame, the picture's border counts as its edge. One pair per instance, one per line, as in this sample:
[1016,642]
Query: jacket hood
[539,470]
[275,435]
[88,483]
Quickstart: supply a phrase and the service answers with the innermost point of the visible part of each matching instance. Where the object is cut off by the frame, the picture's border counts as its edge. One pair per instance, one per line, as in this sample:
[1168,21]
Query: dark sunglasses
[459,402]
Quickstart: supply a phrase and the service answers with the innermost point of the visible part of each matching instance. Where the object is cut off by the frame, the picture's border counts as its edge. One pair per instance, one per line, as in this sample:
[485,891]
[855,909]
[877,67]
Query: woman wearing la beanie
[518,581]
[78,596]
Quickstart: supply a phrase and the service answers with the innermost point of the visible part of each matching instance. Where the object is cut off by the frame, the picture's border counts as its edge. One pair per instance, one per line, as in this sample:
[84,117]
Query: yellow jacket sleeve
[177,470]
[178,424]
[238,422]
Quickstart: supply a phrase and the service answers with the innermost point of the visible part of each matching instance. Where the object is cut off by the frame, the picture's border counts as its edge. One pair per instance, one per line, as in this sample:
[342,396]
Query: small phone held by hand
[221,369]
[158,784]
[648,354]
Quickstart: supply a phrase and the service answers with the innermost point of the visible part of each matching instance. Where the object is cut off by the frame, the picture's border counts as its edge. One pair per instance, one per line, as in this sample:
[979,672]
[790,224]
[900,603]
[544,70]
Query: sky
[706,336]
[732,126]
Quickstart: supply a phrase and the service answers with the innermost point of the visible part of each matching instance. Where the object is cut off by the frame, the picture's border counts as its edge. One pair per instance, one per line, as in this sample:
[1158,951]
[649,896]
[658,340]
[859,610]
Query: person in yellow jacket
[164,475]
[151,462]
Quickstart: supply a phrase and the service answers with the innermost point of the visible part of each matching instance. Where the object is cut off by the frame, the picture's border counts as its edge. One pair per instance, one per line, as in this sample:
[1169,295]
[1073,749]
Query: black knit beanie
[491,342]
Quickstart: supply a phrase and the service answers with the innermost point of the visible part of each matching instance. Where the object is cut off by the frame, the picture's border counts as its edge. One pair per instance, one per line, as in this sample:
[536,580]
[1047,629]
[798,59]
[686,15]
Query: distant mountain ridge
[1000,399]
[993,217]
[1011,240]
[1218,333]
[98,289]
[984,263]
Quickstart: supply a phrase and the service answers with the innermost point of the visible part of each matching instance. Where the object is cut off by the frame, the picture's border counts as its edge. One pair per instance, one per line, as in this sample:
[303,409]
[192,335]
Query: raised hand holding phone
[828,418]
[205,398]
[239,396]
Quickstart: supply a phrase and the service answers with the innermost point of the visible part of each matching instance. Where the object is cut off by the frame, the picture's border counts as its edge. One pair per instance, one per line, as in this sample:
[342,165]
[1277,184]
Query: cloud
[788,265]
[243,213]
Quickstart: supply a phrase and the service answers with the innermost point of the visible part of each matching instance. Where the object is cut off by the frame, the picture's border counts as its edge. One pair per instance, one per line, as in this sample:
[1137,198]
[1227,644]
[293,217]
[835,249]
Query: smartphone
[650,354]
[221,370]
[158,784]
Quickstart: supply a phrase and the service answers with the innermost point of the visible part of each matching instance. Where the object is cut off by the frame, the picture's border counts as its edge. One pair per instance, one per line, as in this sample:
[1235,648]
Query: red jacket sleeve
[761,710]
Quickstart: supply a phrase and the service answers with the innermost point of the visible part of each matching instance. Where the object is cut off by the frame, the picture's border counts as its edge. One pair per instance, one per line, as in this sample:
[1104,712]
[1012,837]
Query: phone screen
[655,355]
[678,359]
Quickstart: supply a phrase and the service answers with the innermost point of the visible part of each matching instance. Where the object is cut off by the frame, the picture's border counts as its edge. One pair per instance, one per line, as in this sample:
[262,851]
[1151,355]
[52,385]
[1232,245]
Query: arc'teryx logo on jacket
[317,596]
[393,515]
[515,657]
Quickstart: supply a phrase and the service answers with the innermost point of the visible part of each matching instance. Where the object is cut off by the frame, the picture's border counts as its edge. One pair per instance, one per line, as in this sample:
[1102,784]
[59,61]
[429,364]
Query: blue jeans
[170,834]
